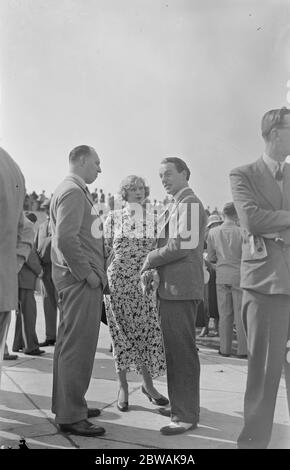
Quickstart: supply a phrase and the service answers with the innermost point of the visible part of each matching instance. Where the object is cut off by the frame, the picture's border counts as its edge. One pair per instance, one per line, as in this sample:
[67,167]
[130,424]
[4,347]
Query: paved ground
[26,391]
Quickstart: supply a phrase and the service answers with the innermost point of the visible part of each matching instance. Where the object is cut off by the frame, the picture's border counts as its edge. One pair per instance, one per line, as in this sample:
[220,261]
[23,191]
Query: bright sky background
[140,80]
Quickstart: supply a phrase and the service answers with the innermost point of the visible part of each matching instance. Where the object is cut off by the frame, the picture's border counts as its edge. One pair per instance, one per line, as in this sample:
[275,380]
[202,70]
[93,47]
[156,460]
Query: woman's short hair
[130,182]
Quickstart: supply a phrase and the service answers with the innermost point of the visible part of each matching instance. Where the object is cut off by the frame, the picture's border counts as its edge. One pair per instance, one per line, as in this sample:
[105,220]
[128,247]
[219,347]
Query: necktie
[279,172]
[89,196]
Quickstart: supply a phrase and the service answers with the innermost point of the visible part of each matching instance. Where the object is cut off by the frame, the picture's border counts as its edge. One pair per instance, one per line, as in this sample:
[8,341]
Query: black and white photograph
[145,228]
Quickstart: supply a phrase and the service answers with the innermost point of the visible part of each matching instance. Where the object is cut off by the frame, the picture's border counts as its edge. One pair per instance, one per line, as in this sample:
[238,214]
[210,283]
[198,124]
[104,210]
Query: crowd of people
[157,270]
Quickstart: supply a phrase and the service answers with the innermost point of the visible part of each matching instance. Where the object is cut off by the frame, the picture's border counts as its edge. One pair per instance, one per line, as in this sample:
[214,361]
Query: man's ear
[82,160]
[274,134]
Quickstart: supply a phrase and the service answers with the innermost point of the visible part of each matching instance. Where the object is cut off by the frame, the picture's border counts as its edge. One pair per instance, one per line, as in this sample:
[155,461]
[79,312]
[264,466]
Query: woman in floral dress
[133,319]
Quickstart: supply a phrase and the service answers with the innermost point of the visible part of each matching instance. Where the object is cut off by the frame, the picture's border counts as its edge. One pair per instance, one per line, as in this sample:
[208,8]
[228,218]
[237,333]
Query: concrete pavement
[25,400]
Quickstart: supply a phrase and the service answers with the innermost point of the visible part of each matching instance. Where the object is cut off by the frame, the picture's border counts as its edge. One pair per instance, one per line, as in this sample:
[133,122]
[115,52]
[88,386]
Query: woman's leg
[148,383]
[123,386]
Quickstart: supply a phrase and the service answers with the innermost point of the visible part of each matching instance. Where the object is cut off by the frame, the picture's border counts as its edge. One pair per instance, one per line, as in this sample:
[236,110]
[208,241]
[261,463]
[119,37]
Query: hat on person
[46,203]
[214,219]
[31,216]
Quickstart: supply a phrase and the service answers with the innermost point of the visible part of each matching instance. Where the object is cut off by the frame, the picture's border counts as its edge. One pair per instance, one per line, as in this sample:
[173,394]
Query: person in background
[214,220]
[25,337]
[261,193]
[224,247]
[49,295]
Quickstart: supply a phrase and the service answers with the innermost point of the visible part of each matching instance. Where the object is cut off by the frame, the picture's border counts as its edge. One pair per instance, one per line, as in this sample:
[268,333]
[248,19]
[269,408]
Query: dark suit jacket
[30,271]
[180,268]
[77,248]
[263,209]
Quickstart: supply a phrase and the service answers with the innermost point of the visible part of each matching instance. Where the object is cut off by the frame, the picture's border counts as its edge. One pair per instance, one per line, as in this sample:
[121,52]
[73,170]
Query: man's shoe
[177,428]
[82,428]
[47,342]
[10,357]
[93,412]
[167,412]
[35,352]
[224,355]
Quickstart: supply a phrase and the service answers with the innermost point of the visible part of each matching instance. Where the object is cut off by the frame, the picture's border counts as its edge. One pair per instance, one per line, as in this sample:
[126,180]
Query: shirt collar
[178,194]
[272,164]
[79,179]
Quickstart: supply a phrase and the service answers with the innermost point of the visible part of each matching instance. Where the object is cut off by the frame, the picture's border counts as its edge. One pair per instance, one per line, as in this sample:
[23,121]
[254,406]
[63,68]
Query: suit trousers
[230,309]
[267,322]
[25,325]
[5,318]
[49,297]
[183,368]
[80,310]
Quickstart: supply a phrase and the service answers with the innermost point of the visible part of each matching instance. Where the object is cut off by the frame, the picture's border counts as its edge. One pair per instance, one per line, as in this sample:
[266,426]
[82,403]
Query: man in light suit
[261,193]
[12,193]
[78,273]
[179,261]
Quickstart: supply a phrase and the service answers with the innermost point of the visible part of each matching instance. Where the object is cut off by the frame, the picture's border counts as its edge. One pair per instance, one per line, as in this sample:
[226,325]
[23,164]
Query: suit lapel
[172,209]
[267,185]
[286,187]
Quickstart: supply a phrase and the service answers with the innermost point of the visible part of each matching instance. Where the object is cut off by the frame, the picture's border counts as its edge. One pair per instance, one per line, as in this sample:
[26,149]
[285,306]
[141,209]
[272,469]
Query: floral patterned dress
[133,320]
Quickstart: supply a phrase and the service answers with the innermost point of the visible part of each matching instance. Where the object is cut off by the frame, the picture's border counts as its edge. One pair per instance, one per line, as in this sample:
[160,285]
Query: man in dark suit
[78,273]
[261,193]
[179,262]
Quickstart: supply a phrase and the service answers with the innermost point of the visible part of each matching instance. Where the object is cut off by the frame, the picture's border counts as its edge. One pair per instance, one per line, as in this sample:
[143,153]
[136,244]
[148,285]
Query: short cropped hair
[273,119]
[179,164]
[129,182]
[229,210]
[80,151]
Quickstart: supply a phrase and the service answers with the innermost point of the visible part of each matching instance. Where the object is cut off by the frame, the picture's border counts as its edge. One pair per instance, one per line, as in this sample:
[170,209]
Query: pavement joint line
[220,391]
[36,406]
[131,443]
[18,362]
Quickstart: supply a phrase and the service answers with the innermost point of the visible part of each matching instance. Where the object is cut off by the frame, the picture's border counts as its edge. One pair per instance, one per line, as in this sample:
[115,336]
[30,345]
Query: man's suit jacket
[264,210]
[75,251]
[29,271]
[42,242]
[180,269]
[12,192]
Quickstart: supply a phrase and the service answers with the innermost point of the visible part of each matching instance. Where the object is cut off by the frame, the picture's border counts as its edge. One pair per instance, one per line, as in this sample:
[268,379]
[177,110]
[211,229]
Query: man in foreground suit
[12,192]
[261,193]
[78,272]
[179,262]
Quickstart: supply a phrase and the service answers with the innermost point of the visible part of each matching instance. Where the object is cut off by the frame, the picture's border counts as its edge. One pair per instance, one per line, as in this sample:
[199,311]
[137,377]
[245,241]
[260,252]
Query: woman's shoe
[161,401]
[122,405]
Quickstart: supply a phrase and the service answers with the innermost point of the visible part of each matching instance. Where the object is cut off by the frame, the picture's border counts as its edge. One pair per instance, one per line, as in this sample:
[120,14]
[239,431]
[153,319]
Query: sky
[140,80]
